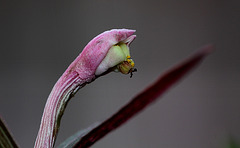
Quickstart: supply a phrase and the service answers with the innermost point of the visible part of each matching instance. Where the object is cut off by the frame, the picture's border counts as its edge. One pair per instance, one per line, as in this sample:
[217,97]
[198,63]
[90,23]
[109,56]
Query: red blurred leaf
[146,97]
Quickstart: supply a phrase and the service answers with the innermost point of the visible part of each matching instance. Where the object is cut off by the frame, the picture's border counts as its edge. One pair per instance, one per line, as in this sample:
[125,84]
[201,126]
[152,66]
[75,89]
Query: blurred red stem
[145,98]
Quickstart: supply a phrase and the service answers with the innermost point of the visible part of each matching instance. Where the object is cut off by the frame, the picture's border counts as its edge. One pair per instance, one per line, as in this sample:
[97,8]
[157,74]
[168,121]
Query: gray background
[39,39]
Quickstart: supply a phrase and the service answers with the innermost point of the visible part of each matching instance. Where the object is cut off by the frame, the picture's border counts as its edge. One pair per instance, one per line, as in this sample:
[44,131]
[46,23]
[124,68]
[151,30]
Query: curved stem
[61,93]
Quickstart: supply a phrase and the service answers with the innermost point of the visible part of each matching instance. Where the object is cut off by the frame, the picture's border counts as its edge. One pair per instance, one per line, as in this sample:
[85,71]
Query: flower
[107,52]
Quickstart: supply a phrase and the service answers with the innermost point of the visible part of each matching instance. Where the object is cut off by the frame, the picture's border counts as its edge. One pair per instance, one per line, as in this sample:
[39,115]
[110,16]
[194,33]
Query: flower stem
[61,93]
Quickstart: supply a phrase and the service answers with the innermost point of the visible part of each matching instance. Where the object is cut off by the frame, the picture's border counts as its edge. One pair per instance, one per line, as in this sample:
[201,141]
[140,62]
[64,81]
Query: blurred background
[39,39]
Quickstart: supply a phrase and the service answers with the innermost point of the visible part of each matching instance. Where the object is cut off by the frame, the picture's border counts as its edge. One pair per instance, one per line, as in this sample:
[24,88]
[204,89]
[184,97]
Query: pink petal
[95,51]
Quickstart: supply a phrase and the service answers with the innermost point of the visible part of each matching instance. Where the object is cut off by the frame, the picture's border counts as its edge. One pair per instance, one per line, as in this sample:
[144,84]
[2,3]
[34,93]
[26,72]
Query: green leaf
[233,144]
[6,139]
[71,141]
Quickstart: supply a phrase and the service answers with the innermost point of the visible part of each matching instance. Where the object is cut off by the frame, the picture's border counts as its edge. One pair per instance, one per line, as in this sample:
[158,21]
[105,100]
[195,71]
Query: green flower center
[118,59]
